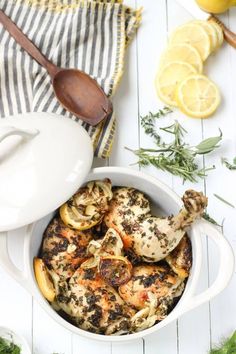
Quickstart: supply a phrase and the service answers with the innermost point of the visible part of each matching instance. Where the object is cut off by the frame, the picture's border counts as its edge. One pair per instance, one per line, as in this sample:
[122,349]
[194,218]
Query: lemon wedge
[168,79]
[182,52]
[197,96]
[195,35]
[43,279]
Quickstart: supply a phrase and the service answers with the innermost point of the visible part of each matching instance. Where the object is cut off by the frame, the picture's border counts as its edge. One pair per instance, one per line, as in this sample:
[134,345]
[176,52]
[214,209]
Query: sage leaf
[208,145]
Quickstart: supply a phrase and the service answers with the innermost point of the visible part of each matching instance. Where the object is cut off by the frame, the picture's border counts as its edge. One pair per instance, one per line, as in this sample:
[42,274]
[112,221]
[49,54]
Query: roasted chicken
[122,278]
[152,238]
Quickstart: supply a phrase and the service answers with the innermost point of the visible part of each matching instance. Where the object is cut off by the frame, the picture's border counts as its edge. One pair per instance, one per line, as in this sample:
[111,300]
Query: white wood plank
[152,38]
[177,15]
[15,301]
[223,307]
[126,109]
[15,307]
[48,336]
[165,341]
[134,347]
[83,345]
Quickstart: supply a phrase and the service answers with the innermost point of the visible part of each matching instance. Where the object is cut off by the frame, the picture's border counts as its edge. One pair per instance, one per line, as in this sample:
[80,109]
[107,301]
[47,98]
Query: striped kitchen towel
[88,35]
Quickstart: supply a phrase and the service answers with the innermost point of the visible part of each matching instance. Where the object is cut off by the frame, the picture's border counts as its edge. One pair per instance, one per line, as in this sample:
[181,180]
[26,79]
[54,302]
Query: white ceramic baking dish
[162,198]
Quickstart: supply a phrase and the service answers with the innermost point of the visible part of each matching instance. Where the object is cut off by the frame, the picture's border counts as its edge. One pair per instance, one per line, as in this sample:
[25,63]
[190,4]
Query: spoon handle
[25,43]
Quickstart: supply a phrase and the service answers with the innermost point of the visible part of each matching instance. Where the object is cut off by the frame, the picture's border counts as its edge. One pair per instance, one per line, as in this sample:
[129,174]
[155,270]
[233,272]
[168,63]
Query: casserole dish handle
[9,130]
[7,264]
[226,265]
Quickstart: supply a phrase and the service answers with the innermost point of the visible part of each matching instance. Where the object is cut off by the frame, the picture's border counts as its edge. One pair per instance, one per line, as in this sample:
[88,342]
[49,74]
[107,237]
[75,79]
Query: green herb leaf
[207,217]
[223,200]
[176,157]
[148,122]
[230,166]
[227,347]
[7,347]
[208,145]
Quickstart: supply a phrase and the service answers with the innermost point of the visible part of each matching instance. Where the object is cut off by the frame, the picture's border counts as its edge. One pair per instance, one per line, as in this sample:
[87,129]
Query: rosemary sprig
[176,157]
[223,200]
[227,347]
[230,166]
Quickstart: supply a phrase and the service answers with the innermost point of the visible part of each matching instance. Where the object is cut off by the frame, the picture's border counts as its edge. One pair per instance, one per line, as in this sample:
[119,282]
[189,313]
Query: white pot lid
[44,159]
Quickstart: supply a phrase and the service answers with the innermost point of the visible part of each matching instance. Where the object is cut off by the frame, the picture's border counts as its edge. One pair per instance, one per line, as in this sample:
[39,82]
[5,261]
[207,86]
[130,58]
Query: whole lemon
[216,6]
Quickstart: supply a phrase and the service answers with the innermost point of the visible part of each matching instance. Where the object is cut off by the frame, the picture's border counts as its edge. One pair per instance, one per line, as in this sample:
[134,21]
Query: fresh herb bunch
[176,157]
[7,347]
[227,347]
[230,166]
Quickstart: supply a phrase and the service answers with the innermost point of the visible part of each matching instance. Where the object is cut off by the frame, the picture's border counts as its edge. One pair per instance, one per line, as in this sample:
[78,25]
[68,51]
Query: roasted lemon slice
[75,220]
[43,279]
[169,77]
[87,207]
[197,96]
[115,270]
[195,35]
[182,52]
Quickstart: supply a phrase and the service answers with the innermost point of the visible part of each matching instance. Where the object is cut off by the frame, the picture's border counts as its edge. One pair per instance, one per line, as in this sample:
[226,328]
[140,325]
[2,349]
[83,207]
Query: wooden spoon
[74,89]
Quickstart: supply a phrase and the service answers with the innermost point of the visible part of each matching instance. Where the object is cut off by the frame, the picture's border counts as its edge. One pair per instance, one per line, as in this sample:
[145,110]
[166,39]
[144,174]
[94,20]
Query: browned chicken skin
[94,305]
[64,249]
[127,209]
[161,281]
[180,259]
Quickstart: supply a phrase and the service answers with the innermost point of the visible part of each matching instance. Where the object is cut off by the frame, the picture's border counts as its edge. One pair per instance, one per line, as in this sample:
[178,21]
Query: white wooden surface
[196,331]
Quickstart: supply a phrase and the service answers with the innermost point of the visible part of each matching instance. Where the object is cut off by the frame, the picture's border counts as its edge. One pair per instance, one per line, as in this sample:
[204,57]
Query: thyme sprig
[230,166]
[148,122]
[176,157]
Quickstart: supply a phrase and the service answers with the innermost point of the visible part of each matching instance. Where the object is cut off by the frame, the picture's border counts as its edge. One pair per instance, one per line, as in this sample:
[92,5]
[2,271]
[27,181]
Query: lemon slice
[218,29]
[72,220]
[169,77]
[195,35]
[197,96]
[182,52]
[212,33]
[43,279]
